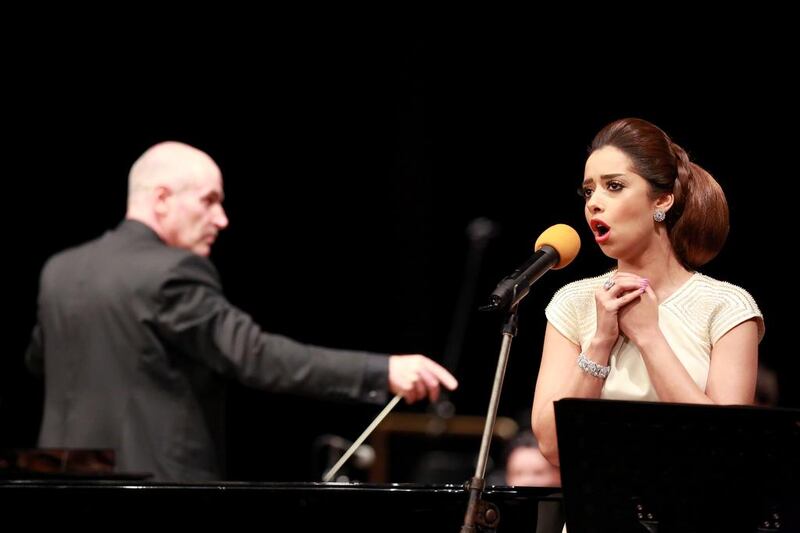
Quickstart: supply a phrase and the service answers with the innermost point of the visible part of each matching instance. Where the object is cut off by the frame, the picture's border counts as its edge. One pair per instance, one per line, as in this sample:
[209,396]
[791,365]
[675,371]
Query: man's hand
[415,376]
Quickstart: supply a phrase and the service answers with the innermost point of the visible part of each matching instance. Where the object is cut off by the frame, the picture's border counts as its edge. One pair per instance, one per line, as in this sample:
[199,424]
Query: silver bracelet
[590,367]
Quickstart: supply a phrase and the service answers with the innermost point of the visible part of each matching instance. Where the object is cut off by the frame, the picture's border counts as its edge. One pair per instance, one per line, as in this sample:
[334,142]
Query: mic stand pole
[480,232]
[482,514]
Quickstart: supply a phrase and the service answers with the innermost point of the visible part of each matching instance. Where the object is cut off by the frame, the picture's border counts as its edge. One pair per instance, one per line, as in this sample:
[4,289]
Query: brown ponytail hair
[697,222]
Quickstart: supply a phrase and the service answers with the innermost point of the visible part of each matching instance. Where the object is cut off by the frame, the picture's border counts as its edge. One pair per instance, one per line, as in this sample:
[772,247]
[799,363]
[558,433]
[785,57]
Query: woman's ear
[664,202]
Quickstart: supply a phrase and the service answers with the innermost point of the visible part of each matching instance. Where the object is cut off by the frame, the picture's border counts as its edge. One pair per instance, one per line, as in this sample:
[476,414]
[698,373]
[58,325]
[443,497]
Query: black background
[353,161]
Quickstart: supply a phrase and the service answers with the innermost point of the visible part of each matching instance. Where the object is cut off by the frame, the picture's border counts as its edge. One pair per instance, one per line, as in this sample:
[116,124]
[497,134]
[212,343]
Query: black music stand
[647,467]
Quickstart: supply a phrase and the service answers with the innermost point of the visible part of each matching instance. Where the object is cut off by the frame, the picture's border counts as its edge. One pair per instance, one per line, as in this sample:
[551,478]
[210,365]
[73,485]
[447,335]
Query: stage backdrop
[353,167]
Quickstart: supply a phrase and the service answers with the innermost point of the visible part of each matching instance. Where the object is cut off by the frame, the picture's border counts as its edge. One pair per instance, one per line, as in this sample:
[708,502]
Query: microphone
[555,248]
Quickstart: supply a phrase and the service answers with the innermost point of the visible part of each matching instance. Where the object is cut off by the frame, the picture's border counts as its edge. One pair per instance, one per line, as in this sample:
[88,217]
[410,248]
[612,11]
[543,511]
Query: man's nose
[220,218]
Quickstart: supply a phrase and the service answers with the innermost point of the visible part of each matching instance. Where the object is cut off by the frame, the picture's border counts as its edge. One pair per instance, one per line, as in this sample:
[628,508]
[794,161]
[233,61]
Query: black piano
[626,467]
[123,504]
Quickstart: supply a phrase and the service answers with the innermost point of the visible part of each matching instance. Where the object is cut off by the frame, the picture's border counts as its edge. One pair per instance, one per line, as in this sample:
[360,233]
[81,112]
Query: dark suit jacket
[137,340]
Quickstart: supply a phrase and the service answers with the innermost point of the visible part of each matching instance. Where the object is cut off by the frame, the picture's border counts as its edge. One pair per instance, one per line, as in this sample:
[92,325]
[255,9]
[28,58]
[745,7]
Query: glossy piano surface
[266,506]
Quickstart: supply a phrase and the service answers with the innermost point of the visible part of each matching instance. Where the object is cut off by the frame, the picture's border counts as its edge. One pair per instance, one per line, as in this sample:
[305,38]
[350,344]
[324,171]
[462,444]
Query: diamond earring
[659,215]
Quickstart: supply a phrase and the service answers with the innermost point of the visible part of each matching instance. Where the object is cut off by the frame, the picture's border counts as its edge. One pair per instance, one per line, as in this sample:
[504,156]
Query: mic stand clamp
[481,515]
[485,515]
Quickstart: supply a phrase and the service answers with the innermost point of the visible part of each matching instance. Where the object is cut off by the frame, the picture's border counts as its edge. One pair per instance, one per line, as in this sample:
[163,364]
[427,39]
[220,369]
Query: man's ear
[161,197]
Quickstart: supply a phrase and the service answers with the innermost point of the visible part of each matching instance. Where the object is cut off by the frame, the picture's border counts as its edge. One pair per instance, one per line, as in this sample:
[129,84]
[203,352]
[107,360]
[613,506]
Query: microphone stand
[482,514]
[480,233]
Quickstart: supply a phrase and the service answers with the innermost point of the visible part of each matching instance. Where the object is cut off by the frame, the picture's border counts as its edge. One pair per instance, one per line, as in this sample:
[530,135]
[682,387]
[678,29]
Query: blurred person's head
[766,387]
[526,466]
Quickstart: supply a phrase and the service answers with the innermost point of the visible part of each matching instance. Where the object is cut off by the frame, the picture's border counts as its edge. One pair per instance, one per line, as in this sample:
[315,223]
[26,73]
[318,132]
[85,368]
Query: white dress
[693,319]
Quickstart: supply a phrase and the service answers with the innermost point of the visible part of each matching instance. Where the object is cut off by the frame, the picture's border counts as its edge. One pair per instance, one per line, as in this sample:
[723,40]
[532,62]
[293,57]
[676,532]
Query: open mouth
[600,227]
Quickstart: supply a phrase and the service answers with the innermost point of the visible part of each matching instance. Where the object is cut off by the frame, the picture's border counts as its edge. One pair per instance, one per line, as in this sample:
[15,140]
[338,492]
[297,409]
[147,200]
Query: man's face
[528,467]
[193,212]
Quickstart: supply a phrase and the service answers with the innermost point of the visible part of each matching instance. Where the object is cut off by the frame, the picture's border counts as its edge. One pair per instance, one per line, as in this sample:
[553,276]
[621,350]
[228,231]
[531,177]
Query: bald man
[136,339]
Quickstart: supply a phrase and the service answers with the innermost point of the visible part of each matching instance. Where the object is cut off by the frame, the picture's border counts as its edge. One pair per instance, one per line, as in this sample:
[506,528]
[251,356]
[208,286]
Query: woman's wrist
[599,350]
[644,339]
[592,368]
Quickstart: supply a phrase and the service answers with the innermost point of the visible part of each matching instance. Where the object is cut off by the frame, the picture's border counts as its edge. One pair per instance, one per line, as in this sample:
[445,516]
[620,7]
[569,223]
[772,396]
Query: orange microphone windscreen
[564,240]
